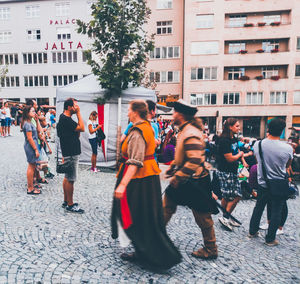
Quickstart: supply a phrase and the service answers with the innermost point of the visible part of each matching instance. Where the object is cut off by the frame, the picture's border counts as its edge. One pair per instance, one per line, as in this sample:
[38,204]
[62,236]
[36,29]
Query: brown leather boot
[205,253]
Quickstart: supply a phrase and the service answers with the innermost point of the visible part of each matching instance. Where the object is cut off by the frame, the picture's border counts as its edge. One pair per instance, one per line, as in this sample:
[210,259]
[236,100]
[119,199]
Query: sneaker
[96,170]
[264,226]
[49,175]
[272,244]
[233,223]
[225,222]
[74,209]
[279,232]
[65,204]
[92,169]
[256,235]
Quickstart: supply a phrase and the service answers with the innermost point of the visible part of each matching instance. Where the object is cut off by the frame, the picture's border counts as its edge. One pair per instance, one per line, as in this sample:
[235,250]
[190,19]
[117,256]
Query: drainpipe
[183,53]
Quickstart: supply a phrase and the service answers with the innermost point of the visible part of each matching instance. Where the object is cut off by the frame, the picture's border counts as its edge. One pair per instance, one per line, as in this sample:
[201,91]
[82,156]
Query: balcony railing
[258,51]
[250,25]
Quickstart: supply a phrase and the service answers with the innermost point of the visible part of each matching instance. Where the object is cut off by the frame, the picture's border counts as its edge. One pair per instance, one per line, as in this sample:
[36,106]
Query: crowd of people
[139,212]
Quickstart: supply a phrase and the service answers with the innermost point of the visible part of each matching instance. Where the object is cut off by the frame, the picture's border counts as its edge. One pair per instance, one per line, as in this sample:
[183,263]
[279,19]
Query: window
[164,27]
[235,73]
[237,21]
[9,82]
[231,98]
[165,52]
[4,13]
[33,35]
[35,58]
[32,11]
[6,59]
[298,43]
[204,73]
[165,77]
[5,36]
[268,72]
[164,4]
[204,47]
[204,21]
[204,99]
[268,19]
[89,6]
[62,80]
[36,81]
[296,97]
[64,57]
[86,55]
[63,33]
[278,97]
[254,98]
[62,9]
[270,45]
[297,71]
[236,47]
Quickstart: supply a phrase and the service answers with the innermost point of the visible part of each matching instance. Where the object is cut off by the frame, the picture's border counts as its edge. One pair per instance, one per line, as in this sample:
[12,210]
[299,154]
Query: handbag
[63,168]
[278,187]
[100,136]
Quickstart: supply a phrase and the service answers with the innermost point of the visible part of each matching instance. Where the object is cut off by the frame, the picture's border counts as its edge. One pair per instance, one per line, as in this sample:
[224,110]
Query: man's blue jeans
[263,196]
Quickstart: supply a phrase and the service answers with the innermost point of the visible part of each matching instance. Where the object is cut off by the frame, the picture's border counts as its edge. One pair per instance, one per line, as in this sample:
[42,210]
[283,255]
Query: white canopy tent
[85,91]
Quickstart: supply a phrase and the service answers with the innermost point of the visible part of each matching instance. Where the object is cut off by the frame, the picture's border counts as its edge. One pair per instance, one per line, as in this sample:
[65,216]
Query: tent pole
[119,129]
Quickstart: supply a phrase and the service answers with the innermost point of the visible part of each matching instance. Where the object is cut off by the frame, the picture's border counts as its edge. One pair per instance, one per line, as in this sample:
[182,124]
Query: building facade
[40,46]
[236,58]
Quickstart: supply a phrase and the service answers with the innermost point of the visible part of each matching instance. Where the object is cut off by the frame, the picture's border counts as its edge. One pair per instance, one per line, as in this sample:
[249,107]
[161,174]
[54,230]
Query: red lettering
[54,46]
[79,45]
[56,23]
[70,43]
[62,45]
[51,22]
[46,48]
[67,22]
[73,21]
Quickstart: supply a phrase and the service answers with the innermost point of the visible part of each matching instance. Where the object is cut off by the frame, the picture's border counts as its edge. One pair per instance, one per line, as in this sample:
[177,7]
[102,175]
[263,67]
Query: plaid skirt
[229,185]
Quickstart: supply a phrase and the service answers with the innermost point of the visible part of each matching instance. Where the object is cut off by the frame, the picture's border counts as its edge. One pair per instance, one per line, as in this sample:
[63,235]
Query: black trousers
[277,205]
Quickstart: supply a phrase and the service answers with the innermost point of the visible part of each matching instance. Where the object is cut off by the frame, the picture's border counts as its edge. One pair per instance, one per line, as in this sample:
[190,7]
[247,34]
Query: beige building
[231,58]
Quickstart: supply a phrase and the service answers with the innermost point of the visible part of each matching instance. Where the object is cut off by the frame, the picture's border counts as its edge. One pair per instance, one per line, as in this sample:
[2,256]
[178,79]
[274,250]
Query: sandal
[34,192]
[37,186]
[42,180]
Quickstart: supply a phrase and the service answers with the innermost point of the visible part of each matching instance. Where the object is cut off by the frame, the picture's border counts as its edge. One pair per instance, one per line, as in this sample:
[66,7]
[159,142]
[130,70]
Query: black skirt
[147,232]
[194,193]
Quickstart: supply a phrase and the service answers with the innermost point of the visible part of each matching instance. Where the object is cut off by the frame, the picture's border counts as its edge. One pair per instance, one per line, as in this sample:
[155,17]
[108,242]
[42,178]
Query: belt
[146,158]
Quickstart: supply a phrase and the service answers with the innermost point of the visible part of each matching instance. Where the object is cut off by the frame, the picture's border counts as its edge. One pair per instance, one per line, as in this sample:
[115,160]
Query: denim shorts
[94,145]
[72,176]
[7,121]
[3,122]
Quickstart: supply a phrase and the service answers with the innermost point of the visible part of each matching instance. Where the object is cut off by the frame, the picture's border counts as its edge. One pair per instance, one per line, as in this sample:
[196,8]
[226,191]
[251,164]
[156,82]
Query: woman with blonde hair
[137,206]
[93,127]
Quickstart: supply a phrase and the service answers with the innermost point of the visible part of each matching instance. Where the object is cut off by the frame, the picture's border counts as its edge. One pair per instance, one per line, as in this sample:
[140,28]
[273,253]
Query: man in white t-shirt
[7,120]
[277,158]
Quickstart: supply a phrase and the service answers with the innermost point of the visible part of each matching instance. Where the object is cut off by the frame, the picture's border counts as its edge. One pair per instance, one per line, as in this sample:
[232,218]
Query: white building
[40,45]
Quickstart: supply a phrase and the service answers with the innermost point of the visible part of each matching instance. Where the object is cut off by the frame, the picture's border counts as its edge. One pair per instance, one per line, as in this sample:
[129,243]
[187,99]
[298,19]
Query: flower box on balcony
[244,78]
[259,77]
[243,51]
[275,50]
[275,23]
[260,51]
[248,25]
[275,77]
[261,24]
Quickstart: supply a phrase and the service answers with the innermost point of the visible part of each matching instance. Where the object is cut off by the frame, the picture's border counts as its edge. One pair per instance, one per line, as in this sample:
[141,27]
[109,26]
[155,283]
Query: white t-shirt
[2,115]
[48,117]
[7,110]
[94,126]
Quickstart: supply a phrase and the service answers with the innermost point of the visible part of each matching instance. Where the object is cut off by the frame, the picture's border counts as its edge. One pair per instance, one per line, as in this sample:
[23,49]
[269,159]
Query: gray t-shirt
[276,155]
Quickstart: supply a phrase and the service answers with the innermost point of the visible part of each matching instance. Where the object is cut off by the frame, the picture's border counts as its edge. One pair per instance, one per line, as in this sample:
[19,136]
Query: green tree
[120,43]
[3,72]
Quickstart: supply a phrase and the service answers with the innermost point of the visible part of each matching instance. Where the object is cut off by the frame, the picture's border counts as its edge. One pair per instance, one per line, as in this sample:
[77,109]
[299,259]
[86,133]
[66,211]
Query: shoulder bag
[63,168]
[278,187]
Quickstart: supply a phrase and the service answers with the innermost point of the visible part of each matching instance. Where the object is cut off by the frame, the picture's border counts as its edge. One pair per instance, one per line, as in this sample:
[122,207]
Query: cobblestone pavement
[41,243]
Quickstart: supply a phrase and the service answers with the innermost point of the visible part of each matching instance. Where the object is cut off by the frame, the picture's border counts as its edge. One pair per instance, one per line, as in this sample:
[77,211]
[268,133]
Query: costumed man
[190,183]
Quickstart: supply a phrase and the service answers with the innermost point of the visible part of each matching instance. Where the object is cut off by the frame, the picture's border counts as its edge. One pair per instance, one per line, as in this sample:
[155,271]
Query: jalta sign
[63,45]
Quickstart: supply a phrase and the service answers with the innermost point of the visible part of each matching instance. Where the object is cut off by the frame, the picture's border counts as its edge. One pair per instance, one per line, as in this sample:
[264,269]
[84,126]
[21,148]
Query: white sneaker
[96,170]
[225,222]
[264,226]
[233,223]
[279,232]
